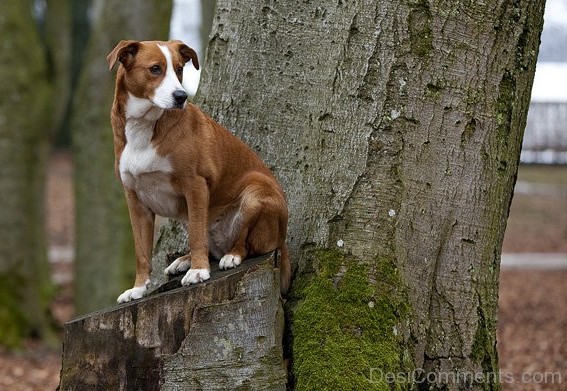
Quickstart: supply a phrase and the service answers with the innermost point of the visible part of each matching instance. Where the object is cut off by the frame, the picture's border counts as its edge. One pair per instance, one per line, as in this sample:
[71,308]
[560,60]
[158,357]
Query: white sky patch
[340,243]
[185,26]
[555,11]
[550,82]
[391,213]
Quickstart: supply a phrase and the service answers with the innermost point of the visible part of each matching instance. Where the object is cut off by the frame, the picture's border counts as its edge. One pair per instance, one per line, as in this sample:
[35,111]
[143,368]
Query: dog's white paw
[229,261]
[195,276]
[180,265]
[132,294]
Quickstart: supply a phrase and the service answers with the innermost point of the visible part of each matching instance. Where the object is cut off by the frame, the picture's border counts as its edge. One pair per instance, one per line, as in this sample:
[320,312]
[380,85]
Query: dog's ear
[187,54]
[124,52]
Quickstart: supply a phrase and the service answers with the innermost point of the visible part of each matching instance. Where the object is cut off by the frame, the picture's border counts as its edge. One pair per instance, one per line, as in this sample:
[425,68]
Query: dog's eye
[155,70]
[179,69]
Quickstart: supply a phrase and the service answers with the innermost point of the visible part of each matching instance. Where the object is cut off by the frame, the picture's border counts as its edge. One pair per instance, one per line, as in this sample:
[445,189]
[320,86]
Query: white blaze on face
[163,96]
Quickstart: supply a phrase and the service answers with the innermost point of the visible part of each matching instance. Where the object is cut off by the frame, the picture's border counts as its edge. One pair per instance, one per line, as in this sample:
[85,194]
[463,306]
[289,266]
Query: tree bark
[24,273]
[207,13]
[57,37]
[105,251]
[224,334]
[395,128]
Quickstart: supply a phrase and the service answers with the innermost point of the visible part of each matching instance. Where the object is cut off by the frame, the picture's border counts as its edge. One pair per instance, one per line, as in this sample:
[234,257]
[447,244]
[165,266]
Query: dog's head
[153,70]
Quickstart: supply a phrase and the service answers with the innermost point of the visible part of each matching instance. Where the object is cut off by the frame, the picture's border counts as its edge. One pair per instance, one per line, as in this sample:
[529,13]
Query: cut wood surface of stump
[224,334]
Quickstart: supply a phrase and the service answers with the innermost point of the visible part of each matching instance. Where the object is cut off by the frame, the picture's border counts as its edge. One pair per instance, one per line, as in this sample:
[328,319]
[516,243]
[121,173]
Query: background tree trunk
[57,36]
[24,107]
[395,128]
[104,243]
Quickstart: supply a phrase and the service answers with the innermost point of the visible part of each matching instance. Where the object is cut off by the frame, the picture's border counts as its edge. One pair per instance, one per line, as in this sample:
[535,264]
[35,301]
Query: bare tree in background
[24,141]
[57,37]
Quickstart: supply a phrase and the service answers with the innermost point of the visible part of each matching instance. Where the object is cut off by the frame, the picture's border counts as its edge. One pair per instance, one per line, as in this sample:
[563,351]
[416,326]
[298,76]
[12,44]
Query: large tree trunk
[104,242]
[24,108]
[395,128]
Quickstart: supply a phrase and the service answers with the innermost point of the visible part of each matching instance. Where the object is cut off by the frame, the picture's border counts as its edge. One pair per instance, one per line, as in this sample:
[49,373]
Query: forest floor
[532,339]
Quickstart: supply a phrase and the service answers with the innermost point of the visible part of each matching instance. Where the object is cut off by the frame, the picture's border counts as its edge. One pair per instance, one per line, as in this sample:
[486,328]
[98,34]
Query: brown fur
[213,174]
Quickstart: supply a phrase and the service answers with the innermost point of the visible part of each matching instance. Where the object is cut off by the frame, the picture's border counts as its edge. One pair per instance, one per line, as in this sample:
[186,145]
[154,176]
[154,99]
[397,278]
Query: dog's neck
[141,110]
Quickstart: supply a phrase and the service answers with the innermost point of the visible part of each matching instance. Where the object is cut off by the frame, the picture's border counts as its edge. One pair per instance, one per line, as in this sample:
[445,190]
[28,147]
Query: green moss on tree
[347,324]
[12,318]
[484,349]
[419,23]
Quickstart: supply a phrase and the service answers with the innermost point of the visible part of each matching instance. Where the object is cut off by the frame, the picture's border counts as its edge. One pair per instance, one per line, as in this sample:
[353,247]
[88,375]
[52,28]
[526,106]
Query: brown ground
[531,332]
[533,304]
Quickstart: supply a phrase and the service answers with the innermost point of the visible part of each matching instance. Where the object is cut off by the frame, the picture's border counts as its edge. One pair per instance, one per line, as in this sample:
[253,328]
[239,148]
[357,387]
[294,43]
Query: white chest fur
[146,172]
[139,155]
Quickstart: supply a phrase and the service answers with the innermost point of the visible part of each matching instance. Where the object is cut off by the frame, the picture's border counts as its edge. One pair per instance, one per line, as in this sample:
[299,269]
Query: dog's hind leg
[263,223]
[237,253]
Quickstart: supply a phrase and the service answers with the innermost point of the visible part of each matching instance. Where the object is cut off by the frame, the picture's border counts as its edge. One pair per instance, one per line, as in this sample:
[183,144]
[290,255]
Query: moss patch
[346,324]
[504,112]
[419,24]
[483,349]
[23,312]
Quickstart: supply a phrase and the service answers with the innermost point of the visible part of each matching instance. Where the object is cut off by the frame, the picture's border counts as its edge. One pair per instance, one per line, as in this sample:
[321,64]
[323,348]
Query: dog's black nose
[179,96]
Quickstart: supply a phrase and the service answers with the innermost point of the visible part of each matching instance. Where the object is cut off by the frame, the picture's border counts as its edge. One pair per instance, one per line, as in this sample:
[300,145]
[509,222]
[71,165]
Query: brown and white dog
[176,162]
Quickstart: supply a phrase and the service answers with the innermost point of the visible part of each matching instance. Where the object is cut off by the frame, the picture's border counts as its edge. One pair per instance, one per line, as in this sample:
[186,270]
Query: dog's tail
[285,270]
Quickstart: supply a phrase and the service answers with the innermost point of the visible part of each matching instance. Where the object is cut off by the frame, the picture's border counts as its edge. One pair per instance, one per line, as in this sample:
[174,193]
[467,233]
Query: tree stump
[224,334]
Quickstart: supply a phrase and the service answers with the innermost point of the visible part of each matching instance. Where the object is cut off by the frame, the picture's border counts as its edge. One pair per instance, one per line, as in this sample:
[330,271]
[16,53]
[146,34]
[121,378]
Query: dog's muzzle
[179,98]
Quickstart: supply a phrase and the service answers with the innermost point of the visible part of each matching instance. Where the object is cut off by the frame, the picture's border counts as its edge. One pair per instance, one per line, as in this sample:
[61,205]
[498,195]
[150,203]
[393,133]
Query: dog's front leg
[197,198]
[142,220]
